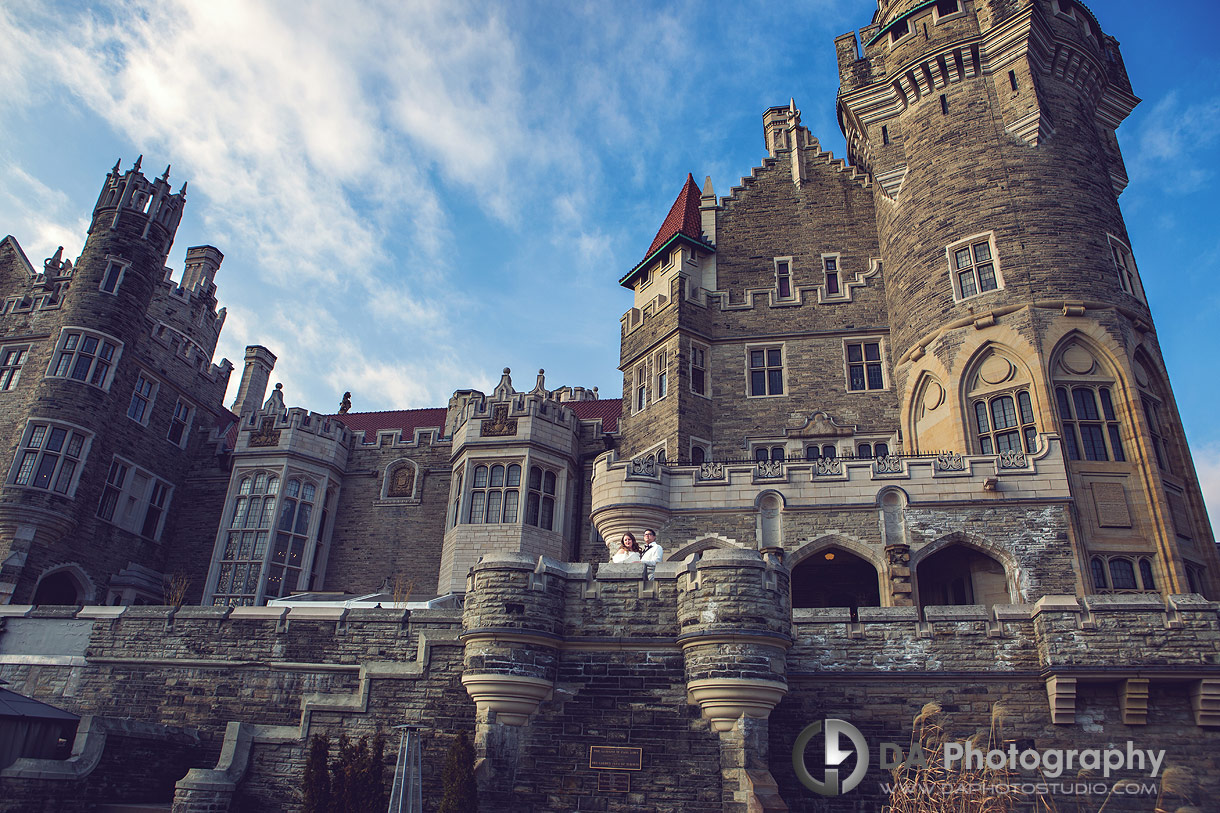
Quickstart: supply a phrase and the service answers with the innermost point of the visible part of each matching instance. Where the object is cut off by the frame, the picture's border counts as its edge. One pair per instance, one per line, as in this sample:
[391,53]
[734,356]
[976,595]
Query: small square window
[141,399]
[865,370]
[112,277]
[179,425]
[11,361]
[973,268]
[766,370]
[698,369]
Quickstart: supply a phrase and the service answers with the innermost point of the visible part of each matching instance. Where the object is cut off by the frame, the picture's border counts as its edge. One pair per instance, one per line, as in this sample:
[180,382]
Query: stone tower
[1015,304]
[116,376]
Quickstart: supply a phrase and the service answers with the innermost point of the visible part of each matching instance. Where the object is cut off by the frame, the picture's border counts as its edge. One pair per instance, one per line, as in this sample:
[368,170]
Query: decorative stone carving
[499,425]
[267,434]
[345,405]
[828,465]
[1012,459]
[769,469]
[646,465]
[402,482]
[817,425]
[890,464]
[711,471]
[950,461]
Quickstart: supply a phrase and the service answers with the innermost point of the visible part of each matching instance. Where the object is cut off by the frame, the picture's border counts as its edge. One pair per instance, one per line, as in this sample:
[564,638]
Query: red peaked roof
[366,424]
[408,420]
[683,219]
[608,410]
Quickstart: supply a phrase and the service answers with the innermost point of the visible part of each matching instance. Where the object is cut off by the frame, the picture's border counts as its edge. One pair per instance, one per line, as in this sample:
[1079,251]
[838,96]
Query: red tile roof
[608,409]
[408,420]
[683,217]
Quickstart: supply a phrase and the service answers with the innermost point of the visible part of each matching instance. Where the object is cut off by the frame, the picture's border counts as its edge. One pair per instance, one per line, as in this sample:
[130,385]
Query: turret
[1015,306]
[259,363]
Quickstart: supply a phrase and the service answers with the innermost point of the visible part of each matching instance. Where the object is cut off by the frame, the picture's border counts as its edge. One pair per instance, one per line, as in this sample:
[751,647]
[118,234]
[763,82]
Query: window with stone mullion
[540,502]
[291,537]
[1089,433]
[241,563]
[495,493]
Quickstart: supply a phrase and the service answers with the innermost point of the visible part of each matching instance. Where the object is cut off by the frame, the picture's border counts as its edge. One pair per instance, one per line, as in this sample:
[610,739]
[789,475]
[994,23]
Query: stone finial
[276,401]
[54,263]
[139,161]
[165,175]
[504,390]
[345,405]
[540,385]
[708,192]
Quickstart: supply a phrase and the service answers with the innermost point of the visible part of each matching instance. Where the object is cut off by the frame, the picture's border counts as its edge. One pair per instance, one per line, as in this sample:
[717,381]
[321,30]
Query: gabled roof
[367,424]
[17,250]
[684,221]
[608,410]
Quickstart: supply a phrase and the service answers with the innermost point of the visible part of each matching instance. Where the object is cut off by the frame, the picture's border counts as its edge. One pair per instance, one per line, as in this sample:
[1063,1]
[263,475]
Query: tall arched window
[245,548]
[540,508]
[1000,406]
[291,535]
[1085,401]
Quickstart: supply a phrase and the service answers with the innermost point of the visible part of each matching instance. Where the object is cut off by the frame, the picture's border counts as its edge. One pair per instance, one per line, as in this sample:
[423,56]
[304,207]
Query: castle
[902,425]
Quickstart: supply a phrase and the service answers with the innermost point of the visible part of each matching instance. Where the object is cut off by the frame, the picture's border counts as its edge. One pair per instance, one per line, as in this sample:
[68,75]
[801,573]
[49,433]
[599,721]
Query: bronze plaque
[616,758]
[614,782]
[1110,500]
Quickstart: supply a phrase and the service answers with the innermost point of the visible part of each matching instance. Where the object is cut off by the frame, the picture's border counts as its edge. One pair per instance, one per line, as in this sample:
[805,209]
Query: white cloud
[1170,139]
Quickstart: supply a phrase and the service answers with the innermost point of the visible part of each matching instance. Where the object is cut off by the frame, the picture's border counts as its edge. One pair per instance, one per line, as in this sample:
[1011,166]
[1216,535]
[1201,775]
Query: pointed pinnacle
[182,191]
[165,177]
[139,161]
[117,164]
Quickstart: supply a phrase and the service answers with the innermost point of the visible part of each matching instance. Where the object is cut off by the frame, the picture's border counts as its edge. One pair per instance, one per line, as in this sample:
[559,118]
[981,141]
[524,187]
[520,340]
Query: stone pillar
[733,608]
[899,558]
[512,621]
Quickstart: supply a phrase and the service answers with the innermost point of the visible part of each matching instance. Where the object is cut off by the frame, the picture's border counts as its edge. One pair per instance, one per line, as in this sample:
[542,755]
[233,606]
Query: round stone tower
[1016,309]
[83,391]
[733,610]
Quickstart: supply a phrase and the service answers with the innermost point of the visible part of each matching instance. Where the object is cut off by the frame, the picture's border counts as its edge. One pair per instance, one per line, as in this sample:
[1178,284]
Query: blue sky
[412,195]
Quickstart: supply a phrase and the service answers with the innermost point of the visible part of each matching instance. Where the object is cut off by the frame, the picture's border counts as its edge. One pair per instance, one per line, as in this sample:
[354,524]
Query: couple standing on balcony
[629,550]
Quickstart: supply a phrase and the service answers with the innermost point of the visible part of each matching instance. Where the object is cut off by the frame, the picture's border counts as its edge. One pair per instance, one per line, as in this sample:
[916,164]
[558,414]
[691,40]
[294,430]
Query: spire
[165,177]
[117,165]
[683,217]
[139,161]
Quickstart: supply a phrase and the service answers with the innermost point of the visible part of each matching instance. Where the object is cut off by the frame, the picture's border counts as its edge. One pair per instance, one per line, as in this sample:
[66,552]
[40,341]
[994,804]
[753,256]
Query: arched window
[246,540]
[697,454]
[291,535]
[1001,409]
[540,508]
[495,493]
[1122,574]
[1085,401]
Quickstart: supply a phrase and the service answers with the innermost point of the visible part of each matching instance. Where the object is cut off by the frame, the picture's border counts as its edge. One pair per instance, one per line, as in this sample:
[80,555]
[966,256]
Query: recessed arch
[401,480]
[964,569]
[66,584]
[1000,401]
[835,577]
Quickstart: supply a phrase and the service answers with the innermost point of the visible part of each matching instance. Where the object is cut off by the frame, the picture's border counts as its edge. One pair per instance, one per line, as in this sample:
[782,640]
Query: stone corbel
[1205,701]
[726,700]
[512,698]
[1133,699]
[1061,692]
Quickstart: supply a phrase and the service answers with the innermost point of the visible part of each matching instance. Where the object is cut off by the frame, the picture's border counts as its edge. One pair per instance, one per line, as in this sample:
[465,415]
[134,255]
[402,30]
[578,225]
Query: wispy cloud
[1173,135]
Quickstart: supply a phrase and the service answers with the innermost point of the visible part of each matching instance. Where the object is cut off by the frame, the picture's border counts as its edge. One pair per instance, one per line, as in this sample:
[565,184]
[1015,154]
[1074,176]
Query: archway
[835,577]
[960,574]
[58,588]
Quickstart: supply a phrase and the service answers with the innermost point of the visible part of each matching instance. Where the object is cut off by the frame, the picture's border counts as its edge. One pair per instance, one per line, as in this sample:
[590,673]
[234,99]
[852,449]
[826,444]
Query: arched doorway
[58,588]
[960,574]
[835,578]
